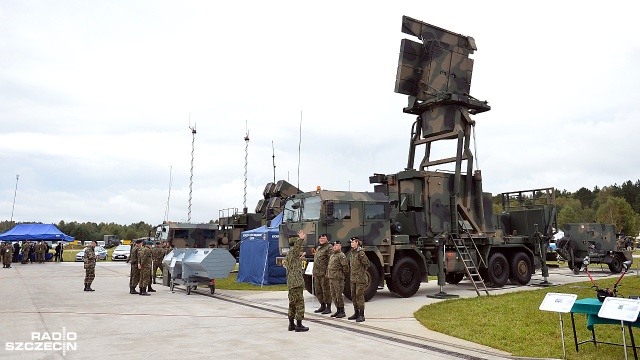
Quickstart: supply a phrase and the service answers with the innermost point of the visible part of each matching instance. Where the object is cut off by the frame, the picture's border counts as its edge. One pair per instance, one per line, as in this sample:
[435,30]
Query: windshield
[311,208]
[123,247]
[291,214]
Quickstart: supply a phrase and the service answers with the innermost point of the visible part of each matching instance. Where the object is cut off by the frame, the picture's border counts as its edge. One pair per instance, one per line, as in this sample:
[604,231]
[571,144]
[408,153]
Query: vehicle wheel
[372,283]
[212,288]
[405,276]
[498,271]
[188,289]
[308,284]
[453,278]
[615,266]
[521,269]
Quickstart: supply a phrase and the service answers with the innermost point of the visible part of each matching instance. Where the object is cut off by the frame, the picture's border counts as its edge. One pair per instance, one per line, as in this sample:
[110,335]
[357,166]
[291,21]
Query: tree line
[93,231]
[616,204]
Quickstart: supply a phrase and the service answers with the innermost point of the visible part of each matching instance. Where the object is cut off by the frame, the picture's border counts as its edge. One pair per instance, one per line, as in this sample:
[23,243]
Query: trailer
[194,267]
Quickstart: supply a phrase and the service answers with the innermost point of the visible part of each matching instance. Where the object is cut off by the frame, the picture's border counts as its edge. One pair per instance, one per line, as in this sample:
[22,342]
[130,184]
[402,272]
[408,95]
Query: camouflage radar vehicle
[420,222]
[599,242]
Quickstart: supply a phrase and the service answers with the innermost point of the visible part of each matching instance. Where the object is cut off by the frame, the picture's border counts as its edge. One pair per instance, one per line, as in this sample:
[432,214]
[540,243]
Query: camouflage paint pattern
[89,265]
[134,274]
[157,254]
[145,259]
[358,298]
[296,303]
[336,271]
[295,282]
[6,249]
[597,241]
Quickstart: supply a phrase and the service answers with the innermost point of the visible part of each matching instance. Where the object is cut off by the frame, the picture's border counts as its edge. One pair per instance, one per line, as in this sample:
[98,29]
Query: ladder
[469,265]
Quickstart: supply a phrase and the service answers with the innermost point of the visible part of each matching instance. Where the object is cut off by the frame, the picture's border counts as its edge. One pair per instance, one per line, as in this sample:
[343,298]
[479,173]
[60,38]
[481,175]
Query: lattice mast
[193,145]
[246,164]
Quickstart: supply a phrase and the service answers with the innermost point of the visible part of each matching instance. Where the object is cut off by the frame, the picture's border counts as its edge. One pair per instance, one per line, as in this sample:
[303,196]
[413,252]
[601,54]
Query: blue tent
[258,252]
[23,232]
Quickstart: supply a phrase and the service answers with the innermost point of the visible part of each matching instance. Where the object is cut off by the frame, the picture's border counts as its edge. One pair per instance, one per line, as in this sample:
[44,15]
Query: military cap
[323,235]
[337,242]
[157,242]
[139,241]
[149,242]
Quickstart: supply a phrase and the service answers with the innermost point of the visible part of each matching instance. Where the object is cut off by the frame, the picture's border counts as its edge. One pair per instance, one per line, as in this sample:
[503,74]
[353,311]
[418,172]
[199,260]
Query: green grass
[513,323]
[230,284]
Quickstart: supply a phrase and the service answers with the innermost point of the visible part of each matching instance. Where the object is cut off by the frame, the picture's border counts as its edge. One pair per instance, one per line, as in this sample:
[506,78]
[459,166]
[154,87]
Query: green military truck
[599,242]
[421,222]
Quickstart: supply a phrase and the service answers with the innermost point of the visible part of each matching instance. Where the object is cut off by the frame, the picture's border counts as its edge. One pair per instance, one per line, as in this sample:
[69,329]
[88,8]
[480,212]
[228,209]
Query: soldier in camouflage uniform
[358,265]
[134,275]
[40,250]
[320,279]
[336,271]
[6,249]
[26,245]
[89,266]
[158,254]
[144,264]
[295,283]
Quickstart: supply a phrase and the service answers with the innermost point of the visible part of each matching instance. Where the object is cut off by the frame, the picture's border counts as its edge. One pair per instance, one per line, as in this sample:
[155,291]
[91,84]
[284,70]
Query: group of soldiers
[10,252]
[145,262]
[330,267]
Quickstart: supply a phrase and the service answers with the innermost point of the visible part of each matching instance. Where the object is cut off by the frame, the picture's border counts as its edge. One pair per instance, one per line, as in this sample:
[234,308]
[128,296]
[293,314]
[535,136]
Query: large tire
[453,278]
[615,266]
[406,277]
[521,269]
[308,284]
[498,270]
[389,285]
[373,277]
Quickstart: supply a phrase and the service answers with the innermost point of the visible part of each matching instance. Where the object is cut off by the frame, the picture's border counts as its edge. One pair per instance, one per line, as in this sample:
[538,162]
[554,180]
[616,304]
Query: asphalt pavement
[45,314]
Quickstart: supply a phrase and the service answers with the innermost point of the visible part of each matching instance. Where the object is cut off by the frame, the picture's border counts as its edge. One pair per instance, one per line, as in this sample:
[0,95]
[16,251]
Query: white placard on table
[620,309]
[309,270]
[557,302]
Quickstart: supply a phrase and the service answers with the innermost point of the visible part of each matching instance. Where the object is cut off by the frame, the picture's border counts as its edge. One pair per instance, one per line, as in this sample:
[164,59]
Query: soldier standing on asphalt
[295,282]
[158,254]
[40,249]
[336,271]
[320,280]
[144,264]
[358,265]
[134,275]
[89,266]
[16,251]
[7,254]
[26,246]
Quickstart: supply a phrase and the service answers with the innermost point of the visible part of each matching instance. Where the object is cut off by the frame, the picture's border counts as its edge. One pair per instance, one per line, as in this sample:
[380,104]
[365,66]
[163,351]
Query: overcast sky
[95,100]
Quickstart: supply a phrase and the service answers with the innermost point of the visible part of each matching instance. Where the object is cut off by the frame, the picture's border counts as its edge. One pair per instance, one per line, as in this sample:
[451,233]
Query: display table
[590,307]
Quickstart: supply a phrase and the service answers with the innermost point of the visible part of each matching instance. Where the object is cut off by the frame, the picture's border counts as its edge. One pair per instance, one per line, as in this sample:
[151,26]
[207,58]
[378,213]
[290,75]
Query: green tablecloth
[591,307]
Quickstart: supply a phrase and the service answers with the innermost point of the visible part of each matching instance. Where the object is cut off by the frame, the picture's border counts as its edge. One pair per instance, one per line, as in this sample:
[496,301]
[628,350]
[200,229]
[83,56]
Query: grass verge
[513,323]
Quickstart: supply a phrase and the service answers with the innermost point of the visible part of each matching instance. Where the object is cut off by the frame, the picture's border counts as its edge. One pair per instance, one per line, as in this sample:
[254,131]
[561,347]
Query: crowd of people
[28,252]
[145,262]
[330,267]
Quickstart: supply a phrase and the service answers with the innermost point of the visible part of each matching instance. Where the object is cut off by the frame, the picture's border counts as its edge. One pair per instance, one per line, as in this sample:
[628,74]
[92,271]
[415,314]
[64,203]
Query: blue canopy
[23,232]
[258,252]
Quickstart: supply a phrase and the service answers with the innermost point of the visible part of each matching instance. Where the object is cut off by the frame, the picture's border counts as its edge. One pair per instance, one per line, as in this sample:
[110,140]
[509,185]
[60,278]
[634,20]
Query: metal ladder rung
[472,270]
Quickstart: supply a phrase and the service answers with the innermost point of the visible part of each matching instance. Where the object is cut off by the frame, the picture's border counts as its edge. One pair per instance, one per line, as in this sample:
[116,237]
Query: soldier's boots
[292,326]
[132,290]
[336,313]
[360,315]
[154,279]
[322,308]
[143,292]
[300,327]
[355,314]
[340,313]
[150,289]
[87,287]
[328,309]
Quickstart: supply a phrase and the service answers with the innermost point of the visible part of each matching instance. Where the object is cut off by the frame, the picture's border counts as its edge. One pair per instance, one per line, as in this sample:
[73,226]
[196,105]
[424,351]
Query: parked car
[121,253]
[101,253]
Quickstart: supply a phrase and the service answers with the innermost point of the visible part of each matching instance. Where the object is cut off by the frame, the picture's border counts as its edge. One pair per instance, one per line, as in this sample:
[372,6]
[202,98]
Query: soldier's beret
[337,243]
[157,242]
[139,241]
[149,242]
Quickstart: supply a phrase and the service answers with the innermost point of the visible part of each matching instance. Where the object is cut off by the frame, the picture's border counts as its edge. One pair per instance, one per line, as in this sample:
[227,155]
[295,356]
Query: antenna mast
[14,198]
[273,156]
[193,143]
[166,211]
[246,163]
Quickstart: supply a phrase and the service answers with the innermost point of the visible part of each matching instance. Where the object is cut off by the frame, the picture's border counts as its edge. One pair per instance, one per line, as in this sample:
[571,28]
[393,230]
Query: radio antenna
[166,211]
[193,145]
[299,145]
[246,164]
[14,198]
[273,156]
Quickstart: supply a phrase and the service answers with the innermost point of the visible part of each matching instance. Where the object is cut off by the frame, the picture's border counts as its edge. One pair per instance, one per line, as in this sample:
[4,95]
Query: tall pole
[273,156]
[14,198]
[193,144]
[246,163]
